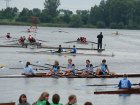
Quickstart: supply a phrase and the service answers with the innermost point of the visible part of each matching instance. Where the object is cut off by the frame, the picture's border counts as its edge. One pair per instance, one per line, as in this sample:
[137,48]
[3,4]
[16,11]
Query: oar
[108,84]
[35,68]
[41,40]
[70,41]
[84,68]
[92,42]
[2,36]
[11,41]
[39,66]
[52,65]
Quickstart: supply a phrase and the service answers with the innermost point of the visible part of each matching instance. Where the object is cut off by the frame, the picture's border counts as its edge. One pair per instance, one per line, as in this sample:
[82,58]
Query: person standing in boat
[124,83]
[74,50]
[55,69]
[70,69]
[100,37]
[28,70]
[89,68]
[23,100]
[103,70]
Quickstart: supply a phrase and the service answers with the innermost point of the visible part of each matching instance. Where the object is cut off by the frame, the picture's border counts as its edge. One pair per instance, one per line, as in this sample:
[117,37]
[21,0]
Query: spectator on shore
[43,99]
[55,100]
[88,103]
[23,100]
[72,100]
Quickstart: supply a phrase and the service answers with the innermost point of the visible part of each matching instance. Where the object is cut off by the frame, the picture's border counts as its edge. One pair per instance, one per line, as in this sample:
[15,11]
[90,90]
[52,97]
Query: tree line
[113,14]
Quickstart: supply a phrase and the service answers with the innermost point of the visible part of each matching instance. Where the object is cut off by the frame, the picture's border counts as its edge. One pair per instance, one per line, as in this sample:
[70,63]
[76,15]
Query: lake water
[125,47]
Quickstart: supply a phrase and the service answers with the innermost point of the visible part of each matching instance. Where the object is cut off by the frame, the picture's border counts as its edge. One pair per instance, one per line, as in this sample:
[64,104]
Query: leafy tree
[65,15]
[50,10]
[25,15]
[36,12]
[100,24]
[113,25]
[76,21]
[120,25]
[9,13]
[84,14]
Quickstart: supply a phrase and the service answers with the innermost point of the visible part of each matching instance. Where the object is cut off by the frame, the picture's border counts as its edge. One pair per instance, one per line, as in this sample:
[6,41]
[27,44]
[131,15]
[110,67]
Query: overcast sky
[65,4]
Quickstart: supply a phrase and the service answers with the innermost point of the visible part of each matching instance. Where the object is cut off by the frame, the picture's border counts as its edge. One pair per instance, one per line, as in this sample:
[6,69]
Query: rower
[89,68]
[28,70]
[124,83]
[103,70]
[28,30]
[73,49]
[55,69]
[70,69]
[8,36]
[59,49]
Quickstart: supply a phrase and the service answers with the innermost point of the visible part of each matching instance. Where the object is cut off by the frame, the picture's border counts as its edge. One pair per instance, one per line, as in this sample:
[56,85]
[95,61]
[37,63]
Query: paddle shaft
[108,84]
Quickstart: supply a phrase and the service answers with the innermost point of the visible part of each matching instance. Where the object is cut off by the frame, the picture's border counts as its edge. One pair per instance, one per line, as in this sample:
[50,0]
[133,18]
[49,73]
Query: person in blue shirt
[28,70]
[89,68]
[74,50]
[70,69]
[103,70]
[124,83]
[55,69]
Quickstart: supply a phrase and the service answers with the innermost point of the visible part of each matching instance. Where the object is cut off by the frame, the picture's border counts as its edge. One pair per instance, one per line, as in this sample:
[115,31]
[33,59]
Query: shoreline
[59,25]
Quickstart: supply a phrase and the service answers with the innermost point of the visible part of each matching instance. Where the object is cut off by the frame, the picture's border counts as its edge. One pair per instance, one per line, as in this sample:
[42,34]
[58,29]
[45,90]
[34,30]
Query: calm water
[125,46]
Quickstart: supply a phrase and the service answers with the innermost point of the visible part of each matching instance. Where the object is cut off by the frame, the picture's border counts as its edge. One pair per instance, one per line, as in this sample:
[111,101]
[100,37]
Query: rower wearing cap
[124,83]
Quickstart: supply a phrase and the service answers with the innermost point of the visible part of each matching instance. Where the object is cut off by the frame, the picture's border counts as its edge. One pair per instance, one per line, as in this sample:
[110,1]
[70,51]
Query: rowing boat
[80,42]
[51,47]
[120,91]
[68,53]
[9,103]
[61,75]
